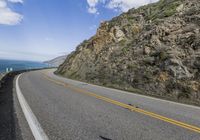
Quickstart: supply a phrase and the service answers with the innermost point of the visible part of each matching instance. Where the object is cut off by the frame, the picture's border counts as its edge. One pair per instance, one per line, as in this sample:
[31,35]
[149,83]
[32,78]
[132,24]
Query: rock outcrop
[154,49]
[56,61]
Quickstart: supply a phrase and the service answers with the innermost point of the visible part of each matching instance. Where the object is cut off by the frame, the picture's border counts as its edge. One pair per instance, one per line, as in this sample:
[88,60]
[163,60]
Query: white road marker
[34,125]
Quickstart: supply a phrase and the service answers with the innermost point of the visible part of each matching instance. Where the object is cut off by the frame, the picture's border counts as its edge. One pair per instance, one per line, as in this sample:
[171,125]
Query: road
[64,109]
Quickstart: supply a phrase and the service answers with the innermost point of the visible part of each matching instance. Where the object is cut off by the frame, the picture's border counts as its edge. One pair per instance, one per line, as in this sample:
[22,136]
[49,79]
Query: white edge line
[33,123]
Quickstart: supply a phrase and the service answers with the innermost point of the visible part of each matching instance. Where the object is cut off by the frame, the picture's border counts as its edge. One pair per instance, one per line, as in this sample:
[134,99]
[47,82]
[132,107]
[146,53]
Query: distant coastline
[15,65]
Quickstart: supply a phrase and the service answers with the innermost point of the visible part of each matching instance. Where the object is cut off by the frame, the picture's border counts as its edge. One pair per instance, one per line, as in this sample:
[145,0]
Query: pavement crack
[104,138]
[133,106]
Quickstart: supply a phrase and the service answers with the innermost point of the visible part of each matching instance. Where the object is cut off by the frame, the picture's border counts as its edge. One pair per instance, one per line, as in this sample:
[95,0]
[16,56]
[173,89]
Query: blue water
[20,65]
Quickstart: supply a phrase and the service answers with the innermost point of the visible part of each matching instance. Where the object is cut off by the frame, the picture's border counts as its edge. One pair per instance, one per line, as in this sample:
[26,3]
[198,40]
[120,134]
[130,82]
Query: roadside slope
[154,49]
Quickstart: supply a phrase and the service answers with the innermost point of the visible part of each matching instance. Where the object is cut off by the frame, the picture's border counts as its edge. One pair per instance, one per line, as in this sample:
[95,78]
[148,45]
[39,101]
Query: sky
[40,30]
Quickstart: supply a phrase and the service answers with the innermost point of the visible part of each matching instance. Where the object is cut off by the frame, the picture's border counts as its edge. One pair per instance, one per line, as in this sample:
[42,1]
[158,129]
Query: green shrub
[125,50]
[131,67]
[164,8]
[163,56]
[122,42]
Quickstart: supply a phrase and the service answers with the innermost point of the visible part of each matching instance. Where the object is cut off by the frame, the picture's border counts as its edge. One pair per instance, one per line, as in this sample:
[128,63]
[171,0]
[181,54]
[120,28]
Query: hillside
[154,49]
[56,61]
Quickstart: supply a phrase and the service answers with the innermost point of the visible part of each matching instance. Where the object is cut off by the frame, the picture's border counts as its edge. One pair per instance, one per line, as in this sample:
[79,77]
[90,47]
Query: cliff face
[56,61]
[155,49]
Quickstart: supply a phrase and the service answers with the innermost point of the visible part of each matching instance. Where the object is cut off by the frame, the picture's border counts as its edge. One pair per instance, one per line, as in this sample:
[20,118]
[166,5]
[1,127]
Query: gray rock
[155,48]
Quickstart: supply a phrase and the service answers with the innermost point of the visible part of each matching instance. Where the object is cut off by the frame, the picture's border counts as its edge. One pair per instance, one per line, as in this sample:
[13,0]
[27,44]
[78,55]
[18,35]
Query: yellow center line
[131,108]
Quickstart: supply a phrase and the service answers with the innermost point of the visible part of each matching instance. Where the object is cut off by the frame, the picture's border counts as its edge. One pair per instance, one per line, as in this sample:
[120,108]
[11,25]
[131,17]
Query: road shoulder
[8,120]
[23,126]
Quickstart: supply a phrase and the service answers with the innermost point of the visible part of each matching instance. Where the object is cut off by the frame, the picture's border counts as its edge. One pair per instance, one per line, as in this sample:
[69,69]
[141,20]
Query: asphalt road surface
[55,108]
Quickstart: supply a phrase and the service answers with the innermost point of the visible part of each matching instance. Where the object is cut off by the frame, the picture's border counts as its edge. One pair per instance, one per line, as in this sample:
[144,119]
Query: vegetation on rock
[155,49]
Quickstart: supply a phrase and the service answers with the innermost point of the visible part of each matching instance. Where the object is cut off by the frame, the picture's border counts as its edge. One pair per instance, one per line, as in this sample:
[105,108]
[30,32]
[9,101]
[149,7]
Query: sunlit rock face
[154,49]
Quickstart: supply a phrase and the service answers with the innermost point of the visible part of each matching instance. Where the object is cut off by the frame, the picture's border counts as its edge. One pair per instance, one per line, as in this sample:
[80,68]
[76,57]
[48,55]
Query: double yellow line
[131,108]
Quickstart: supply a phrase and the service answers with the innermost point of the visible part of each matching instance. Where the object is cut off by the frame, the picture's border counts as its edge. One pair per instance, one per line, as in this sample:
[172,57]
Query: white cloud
[92,3]
[16,1]
[120,5]
[92,10]
[7,16]
[125,5]
[92,6]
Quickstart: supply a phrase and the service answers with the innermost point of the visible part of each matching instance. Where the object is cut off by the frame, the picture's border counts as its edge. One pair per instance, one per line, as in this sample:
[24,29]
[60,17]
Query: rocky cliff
[154,49]
[56,61]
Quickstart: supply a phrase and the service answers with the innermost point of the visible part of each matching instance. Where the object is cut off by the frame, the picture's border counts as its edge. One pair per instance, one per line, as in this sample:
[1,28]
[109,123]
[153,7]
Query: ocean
[16,65]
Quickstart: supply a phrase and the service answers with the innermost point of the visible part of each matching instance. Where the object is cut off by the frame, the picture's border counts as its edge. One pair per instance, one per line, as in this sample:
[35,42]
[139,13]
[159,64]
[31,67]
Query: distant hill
[154,49]
[56,61]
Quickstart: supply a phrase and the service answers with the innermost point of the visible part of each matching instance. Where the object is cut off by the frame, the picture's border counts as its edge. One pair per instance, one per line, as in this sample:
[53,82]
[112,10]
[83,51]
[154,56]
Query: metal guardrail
[5,74]
[1,77]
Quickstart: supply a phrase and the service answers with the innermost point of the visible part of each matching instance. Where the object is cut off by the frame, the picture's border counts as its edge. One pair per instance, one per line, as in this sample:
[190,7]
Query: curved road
[65,109]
